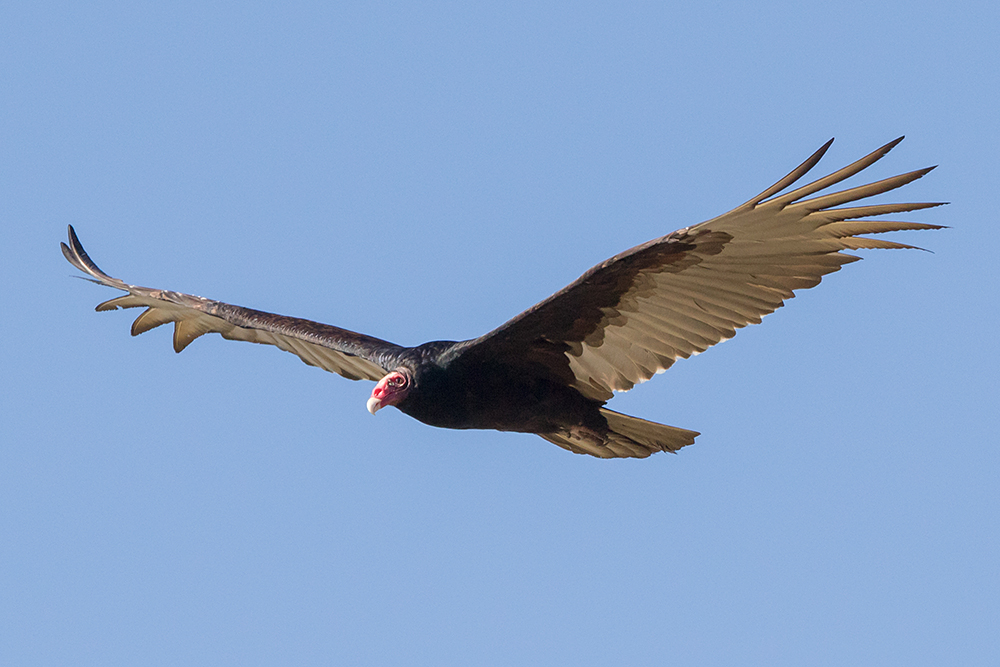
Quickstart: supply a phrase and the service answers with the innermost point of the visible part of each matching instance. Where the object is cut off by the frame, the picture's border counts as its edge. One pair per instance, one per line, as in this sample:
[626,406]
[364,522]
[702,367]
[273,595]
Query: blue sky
[422,171]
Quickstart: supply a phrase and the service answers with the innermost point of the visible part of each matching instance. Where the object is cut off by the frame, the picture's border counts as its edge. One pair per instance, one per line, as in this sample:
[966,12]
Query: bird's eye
[397,381]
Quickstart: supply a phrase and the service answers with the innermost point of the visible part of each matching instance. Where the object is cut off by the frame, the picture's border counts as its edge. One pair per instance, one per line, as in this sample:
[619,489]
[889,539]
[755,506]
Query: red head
[390,390]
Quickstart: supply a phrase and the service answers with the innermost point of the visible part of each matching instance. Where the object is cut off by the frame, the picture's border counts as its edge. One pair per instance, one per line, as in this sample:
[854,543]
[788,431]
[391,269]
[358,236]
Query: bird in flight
[551,369]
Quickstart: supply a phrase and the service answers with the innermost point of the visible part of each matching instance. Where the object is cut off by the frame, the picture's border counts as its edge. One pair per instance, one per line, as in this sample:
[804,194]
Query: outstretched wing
[635,314]
[353,355]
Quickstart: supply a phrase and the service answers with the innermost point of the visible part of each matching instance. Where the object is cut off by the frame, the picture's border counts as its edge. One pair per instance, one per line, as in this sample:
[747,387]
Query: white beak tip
[374,405]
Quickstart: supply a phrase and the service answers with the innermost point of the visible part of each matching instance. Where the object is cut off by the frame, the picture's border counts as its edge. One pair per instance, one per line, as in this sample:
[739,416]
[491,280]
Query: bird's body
[551,369]
[456,394]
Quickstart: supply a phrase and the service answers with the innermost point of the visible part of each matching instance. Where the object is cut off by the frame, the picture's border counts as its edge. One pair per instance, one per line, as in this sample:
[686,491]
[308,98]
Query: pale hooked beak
[374,405]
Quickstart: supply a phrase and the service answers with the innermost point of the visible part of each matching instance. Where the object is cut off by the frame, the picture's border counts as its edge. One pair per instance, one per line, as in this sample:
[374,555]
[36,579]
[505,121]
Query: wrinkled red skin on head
[390,390]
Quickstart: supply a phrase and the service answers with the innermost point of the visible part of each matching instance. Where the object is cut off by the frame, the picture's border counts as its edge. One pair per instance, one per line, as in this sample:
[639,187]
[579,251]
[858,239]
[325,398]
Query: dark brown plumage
[551,369]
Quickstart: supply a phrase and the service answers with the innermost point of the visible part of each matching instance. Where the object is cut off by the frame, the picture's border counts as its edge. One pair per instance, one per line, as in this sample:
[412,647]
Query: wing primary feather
[834,178]
[127,301]
[863,191]
[822,218]
[791,177]
[862,243]
[79,258]
[186,331]
[851,227]
[150,319]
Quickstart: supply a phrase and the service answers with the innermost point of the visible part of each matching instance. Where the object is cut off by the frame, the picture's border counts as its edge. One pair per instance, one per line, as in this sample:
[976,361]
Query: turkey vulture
[551,369]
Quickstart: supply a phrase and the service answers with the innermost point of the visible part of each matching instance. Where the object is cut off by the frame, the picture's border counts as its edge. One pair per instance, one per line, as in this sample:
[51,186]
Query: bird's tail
[626,437]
